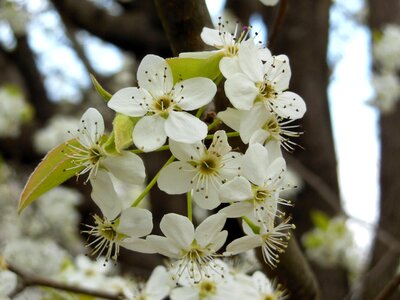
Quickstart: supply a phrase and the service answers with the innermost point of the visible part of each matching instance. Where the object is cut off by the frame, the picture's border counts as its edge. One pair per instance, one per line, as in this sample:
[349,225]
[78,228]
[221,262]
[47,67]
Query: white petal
[243,244]
[254,164]
[194,93]
[237,189]
[176,178]
[219,241]
[241,91]
[154,75]
[207,231]
[178,229]
[260,136]
[91,127]
[253,120]
[104,195]
[185,293]
[158,284]
[269,2]
[185,128]
[229,66]
[207,198]
[220,144]
[214,37]
[238,209]
[250,61]
[232,117]
[128,167]
[163,246]
[198,54]
[264,54]
[186,152]
[289,105]
[130,101]
[274,149]
[149,133]
[138,245]
[279,73]
[135,222]
[277,168]
[233,163]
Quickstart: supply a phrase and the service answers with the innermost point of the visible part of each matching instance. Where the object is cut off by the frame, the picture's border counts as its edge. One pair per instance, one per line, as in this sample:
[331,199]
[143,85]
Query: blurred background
[345,61]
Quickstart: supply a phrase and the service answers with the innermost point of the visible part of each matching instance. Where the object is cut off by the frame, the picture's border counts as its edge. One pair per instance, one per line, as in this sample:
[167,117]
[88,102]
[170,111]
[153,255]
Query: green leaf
[55,168]
[102,92]
[320,219]
[123,128]
[185,68]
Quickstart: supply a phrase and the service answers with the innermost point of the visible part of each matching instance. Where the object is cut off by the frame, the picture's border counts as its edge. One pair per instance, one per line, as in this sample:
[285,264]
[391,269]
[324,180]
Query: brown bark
[381,13]
[132,30]
[304,38]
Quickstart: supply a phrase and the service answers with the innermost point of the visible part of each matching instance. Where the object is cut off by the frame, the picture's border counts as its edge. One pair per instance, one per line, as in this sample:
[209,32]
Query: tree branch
[183,21]
[390,288]
[31,280]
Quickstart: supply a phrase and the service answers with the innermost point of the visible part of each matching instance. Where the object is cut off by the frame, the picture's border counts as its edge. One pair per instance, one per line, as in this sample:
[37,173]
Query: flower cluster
[164,113]
[386,52]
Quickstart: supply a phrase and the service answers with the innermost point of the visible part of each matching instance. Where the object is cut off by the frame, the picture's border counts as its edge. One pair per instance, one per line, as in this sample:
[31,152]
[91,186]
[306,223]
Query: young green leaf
[320,219]
[185,68]
[55,168]
[102,92]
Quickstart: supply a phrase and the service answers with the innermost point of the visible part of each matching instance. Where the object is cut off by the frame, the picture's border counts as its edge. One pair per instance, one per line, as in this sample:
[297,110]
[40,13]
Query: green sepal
[55,168]
[121,137]
[102,92]
[320,219]
[186,68]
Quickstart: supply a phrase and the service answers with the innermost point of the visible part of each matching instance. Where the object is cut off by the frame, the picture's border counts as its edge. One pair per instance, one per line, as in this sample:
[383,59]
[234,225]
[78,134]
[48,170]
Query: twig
[32,280]
[278,22]
[390,288]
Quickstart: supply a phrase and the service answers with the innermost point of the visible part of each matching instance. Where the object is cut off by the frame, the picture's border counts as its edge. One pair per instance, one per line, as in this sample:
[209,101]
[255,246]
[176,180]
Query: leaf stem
[151,183]
[253,226]
[228,134]
[189,205]
[200,111]
[214,123]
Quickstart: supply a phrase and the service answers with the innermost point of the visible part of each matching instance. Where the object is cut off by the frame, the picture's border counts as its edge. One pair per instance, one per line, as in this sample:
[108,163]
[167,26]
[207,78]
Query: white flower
[269,2]
[201,169]
[118,227]
[157,286]
[194,249]
[161,105]
[387,49]
[127,167]
[14,111]
[265,83]
[257,191]
[229,45]
[272,240]
[387,89]
[54,133]
[8,282]
[263,288]
[259,125]
[214,287]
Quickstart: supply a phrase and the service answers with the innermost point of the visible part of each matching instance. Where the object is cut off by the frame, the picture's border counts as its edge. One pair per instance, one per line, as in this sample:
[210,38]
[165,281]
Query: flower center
[267,90]
[273,127]
[260,195]
[232,50]
[162,105]
[208,165]
[106,237]
[207,288]
[269,297]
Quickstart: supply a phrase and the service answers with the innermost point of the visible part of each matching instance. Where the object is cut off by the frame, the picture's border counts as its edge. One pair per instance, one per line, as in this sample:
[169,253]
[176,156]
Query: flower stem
[228,134]
[253,226]
[162,148]
[200,112]
[213,124]
[151,183]
[189,206]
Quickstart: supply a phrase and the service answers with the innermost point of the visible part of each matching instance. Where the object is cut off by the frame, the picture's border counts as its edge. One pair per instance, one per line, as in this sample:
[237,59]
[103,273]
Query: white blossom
[8,282]
[200,169]
[387,89]
[118,226]
[264,82]
[127,167]
[157,287]
[269,2]
[162,105]
[193,249]
[386,49]
[256,192]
